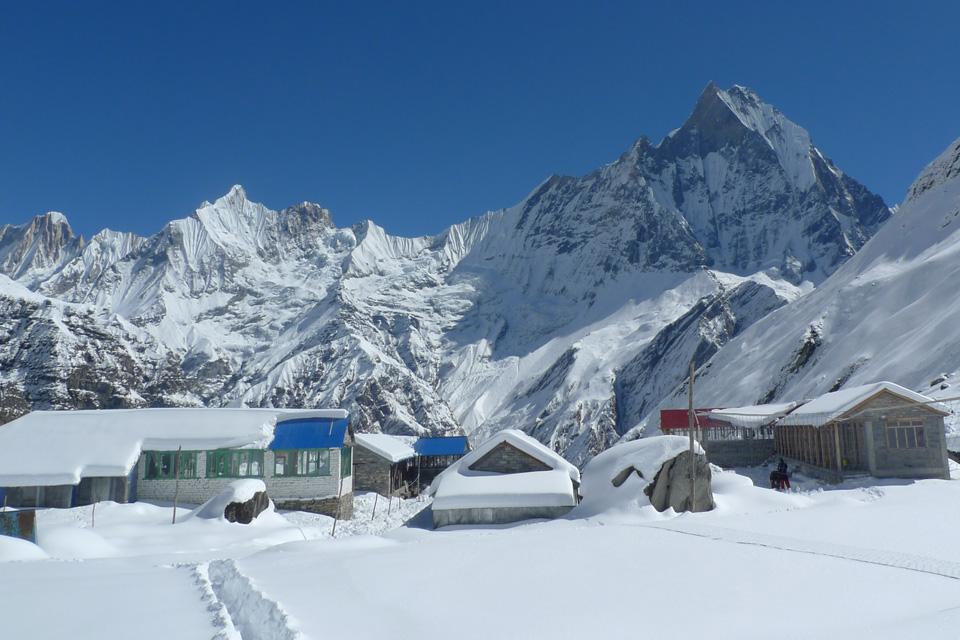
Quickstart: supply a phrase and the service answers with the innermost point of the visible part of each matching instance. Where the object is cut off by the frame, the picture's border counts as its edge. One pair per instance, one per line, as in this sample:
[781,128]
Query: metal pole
[176,483]
[691,426]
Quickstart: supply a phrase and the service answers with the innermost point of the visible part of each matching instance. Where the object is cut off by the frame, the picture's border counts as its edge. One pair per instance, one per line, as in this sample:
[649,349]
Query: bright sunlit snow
[125,571]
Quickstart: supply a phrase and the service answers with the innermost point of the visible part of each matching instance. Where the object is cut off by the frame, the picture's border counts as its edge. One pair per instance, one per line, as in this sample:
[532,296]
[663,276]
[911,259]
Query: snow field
[876,560]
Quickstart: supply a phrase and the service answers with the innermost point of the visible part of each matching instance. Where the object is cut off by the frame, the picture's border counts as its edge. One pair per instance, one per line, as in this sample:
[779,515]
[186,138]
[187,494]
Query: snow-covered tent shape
[508,478]
[881,429]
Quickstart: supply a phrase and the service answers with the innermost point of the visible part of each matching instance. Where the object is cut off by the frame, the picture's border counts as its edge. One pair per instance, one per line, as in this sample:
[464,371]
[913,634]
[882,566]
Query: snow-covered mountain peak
[944,168]
[31,252]
[54,217]
[722,118]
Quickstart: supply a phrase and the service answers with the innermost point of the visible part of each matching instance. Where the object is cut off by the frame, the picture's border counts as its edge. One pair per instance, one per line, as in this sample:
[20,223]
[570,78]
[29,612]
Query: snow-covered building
[732,437]
[508,478]
[382,462]
[69,458]
[403,465]
[880,429]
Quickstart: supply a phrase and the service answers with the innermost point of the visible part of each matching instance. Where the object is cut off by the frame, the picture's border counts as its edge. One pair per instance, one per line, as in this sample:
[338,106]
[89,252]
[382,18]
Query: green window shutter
[346,461]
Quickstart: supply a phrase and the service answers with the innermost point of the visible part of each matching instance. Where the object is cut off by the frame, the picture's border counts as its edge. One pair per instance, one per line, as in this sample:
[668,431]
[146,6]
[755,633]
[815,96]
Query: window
[346,462]
[161,464]
[906,433]
[235,463]
[302,462]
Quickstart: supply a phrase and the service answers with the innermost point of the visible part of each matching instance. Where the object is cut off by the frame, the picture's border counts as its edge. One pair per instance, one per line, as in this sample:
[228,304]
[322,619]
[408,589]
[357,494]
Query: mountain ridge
[523,315]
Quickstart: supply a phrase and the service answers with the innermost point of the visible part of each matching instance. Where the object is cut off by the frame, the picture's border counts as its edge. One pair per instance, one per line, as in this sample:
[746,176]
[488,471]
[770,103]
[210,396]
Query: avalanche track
[241,611]
[905,561]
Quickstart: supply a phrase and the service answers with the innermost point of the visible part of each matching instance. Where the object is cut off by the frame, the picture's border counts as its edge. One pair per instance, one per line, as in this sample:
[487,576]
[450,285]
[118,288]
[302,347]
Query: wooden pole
[390,495]
[836,440]
[376,496]
[176,483]
[339,498]
[692,420]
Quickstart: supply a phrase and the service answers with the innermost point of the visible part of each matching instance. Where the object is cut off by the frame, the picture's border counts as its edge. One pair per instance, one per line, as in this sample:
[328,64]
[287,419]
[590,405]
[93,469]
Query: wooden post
[336,517]
[176,483]
[93,514]
[691,419]
[836,440]
[376,496]
[390,494]
[418,475]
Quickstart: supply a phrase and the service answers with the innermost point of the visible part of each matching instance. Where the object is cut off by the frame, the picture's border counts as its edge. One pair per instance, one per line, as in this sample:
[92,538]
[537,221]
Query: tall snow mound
[238,491]
[645,455]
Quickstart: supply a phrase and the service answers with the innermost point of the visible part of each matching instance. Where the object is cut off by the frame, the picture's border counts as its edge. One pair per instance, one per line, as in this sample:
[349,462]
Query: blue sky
[420,114]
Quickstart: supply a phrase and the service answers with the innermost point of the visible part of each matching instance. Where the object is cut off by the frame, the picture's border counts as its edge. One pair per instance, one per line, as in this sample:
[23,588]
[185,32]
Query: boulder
[245,512]
[671,486]
[241,501]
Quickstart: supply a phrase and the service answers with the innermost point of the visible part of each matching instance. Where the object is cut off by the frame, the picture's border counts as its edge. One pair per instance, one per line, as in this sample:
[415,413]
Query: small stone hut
[383,463]
[508,478]
[879,429]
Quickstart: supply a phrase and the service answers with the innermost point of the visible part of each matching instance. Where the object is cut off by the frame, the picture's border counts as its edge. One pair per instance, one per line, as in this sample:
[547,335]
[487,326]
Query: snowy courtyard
[878,560]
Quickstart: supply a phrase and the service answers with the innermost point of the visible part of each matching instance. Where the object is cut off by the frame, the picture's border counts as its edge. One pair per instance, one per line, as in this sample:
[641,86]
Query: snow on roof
[753,416]
[479,489]
[459,487]
[831,406]
[393,448]
[61,447]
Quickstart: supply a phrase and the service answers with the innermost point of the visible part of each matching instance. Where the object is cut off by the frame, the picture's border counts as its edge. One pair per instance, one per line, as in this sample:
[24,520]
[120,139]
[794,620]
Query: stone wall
[325,506]
[281,489]
[739,453]
[506,458]
[370,471]
[929,461]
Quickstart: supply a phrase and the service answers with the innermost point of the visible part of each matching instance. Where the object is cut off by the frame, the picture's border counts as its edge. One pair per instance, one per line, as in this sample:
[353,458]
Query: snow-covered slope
[569,315]
[890,313]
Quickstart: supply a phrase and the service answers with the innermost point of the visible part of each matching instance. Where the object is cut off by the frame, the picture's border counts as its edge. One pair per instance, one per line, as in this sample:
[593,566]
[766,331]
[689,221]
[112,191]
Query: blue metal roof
[309,433]
[442,446]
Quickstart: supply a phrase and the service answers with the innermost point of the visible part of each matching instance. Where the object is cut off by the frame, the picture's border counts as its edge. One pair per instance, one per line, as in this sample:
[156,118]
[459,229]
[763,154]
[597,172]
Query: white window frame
[906,433]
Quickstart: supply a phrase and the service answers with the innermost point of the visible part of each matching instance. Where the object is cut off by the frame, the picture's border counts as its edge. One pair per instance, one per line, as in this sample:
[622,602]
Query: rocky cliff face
[889,313]
[569,315]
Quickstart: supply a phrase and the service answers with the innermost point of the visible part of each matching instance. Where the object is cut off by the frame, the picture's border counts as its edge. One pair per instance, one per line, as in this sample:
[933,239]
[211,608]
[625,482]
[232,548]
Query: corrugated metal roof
[309,433]
[442,446]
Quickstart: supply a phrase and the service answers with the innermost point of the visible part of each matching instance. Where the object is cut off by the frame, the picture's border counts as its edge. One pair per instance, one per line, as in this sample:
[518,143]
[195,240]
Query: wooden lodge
[880,429]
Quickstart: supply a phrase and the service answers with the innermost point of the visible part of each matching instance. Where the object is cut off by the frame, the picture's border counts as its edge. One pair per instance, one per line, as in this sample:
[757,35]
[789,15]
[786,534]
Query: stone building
[880,429]
[384,463]
[508,478]
[70,458]
[403,465]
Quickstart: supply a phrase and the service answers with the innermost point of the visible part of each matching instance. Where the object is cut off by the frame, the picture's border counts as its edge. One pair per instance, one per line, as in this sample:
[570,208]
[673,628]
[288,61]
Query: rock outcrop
[247,511]
[672,488]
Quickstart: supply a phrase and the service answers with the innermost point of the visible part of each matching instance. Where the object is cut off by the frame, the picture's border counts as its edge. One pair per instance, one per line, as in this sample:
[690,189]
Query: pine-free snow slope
[889,313]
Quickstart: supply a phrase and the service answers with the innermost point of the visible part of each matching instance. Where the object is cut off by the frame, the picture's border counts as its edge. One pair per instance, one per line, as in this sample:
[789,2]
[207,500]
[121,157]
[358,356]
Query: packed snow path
[906,561]
[241,610]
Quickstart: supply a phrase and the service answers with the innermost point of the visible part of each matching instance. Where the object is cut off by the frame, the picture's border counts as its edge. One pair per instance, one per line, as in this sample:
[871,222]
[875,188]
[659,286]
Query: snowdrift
[645,455]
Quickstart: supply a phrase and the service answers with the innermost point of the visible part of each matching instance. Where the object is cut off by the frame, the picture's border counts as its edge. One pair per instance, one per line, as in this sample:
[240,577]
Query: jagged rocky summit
[571,315]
